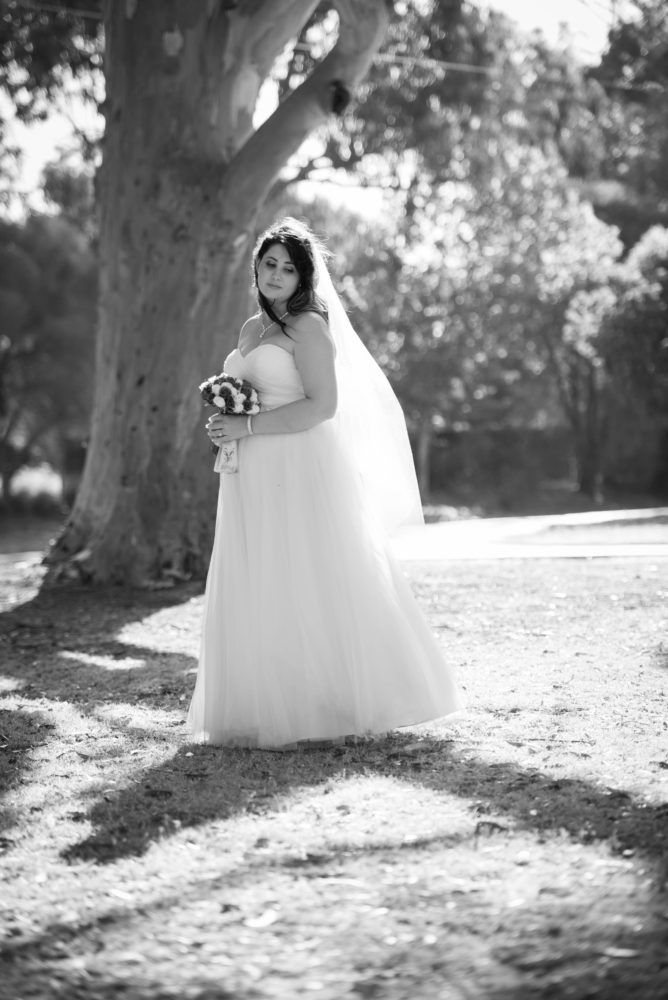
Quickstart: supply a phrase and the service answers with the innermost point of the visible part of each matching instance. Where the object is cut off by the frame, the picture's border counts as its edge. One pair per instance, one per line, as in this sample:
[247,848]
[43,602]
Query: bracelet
[249,424]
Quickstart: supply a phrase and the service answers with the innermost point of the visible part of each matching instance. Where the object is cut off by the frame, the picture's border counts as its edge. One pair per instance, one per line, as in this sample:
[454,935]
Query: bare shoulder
[250,322]
[309,326]
[248,329]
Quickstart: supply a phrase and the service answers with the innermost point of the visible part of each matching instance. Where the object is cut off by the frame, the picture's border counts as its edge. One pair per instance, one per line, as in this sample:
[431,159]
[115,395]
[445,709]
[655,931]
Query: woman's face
[277,276]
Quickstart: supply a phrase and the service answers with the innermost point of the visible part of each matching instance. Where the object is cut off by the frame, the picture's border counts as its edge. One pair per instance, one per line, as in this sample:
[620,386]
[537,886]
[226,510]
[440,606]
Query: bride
[310,630]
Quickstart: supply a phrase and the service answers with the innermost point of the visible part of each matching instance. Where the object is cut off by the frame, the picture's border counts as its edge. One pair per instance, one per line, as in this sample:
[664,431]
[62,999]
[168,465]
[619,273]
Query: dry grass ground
[517,851]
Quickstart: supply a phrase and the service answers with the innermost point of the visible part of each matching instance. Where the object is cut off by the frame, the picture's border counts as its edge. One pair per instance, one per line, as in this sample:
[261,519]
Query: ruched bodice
[271,370]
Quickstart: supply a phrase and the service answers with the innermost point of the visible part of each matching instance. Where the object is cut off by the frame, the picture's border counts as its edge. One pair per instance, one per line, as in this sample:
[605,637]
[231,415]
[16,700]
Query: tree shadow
[75,609]
[61,644]
[202,783]
[20,732]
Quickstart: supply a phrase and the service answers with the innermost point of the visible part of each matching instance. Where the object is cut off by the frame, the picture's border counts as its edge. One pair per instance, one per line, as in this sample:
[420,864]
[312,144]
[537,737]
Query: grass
[517,851]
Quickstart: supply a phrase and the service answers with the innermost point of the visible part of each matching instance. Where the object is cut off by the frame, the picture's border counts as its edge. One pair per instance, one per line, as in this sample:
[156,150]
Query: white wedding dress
[310,628]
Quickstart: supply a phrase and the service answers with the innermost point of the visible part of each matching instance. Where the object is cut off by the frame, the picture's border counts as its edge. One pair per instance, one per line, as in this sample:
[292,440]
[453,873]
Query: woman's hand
[222,429]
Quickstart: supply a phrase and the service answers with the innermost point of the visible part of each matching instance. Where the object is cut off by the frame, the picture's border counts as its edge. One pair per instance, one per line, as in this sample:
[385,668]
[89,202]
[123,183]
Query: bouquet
[229,395]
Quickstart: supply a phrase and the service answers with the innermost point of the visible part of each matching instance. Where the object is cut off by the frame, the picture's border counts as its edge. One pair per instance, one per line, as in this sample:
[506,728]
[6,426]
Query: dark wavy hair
[300,244]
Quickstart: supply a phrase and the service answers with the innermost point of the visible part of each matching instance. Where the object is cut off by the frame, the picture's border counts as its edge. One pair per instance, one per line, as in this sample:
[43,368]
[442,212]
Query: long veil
[370,419]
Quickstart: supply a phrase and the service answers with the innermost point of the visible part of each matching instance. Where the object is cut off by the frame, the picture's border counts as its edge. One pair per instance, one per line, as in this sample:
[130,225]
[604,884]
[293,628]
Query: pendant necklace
[273,323]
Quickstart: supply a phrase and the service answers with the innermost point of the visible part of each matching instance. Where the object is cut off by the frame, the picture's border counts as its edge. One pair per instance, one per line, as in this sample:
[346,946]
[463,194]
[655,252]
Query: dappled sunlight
[530,829]
[353,812]
[8,684]
[104,662]
[176,634]
[143,718]
[290,859]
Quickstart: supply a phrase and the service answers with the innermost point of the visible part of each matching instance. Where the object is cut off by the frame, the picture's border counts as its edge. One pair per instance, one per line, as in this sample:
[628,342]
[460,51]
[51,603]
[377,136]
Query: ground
[518,850]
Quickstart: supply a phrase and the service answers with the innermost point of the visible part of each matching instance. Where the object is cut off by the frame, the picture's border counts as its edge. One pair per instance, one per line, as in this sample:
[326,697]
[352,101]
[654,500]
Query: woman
[311,632]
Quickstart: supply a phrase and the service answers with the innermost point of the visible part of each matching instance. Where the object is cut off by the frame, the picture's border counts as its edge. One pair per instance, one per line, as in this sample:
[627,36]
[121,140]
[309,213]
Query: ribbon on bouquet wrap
[227,459]
[230,396]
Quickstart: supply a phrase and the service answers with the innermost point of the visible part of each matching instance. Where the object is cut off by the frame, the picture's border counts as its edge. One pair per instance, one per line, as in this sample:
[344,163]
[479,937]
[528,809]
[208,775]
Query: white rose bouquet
[229,395]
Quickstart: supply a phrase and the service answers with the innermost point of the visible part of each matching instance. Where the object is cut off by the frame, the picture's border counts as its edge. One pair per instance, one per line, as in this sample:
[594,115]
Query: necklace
[273,323]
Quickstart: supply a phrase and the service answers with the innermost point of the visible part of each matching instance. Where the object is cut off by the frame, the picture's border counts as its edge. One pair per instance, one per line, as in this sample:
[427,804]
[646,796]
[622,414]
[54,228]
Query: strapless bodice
[272,372]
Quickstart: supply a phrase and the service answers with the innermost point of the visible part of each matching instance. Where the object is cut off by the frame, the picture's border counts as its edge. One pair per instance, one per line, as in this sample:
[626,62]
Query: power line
[389,57]
[380,57]
[52,8]
[597,8]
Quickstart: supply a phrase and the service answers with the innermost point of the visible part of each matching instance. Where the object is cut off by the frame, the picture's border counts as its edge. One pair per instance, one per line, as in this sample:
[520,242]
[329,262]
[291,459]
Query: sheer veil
[370,419]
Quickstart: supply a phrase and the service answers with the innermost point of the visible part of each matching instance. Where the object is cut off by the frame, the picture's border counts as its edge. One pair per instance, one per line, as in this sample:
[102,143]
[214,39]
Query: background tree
[48,291]
[489,167]
[631,188]
[634,345]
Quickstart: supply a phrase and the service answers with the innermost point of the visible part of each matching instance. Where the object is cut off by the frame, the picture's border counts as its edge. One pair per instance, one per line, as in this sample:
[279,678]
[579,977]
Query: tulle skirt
[310,630]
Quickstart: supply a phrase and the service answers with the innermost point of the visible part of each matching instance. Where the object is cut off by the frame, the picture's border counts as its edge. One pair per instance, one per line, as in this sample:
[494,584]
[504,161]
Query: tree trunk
[660,478]
[590,476]
[182,182]
[589,436]
[425,439]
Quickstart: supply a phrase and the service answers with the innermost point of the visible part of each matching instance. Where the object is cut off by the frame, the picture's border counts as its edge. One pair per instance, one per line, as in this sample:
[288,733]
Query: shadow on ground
[50,644]
[201,783]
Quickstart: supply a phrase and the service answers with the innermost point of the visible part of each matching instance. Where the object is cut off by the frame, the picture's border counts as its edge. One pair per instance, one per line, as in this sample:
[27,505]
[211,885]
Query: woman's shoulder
[253,320]
[248,328]
[306,323]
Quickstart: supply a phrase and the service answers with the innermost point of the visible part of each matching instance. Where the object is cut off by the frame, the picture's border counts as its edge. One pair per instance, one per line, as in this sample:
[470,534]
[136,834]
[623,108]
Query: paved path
[592,535]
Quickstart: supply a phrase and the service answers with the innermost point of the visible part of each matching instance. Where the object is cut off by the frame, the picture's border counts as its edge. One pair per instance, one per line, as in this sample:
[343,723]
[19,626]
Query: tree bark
[183,179]
[424,444]
[588,431]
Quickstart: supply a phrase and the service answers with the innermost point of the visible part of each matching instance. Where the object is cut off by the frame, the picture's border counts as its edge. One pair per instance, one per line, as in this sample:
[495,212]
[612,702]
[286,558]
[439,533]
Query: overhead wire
[604,12]
[425,61]
[53,8]
[388,58]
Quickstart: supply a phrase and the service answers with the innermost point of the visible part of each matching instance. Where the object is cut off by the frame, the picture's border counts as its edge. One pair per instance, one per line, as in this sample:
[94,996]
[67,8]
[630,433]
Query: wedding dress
[310,627]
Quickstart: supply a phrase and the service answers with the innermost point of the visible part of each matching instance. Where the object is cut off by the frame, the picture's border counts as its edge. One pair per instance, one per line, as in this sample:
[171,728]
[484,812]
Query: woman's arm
[314,359]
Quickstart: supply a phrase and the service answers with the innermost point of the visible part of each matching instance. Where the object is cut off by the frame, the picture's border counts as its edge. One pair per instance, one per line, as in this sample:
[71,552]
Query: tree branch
[272,26]
[253,169]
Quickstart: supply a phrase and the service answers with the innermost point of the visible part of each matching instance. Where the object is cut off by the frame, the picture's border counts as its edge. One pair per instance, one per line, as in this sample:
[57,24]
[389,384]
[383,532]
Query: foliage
[501,280]
[72,193]
[407,128]
[38,47]
[408,100]
[47,304]
[633,74]
[636,335]
[466,302]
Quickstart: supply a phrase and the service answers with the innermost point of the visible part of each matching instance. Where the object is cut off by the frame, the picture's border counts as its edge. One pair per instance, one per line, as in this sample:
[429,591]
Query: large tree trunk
[182,182]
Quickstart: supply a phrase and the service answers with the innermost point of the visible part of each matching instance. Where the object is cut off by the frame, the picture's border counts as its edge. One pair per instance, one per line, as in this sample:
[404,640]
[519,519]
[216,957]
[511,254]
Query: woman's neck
[278,307]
